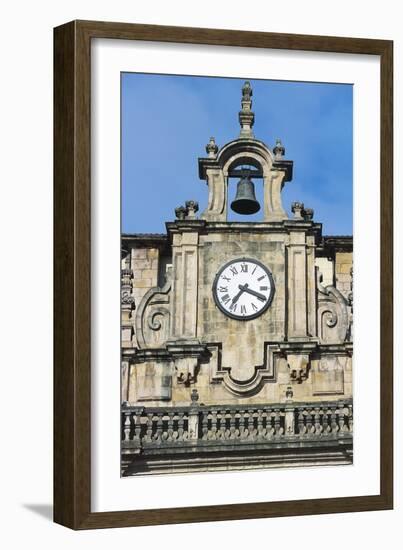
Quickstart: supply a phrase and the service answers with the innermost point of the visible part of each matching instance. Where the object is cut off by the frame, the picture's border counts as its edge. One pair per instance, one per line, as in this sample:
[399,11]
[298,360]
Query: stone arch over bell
[239,152]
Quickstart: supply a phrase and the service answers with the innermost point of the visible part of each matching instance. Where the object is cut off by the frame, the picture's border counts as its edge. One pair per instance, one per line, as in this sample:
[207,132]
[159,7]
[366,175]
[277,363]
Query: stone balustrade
[206,426]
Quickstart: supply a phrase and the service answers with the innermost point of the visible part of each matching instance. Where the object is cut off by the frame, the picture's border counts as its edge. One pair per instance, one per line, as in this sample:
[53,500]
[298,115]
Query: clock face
[243,289]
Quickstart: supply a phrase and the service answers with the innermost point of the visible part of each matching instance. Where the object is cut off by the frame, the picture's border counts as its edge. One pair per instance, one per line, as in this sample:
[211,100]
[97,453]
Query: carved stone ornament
[299,366]
[278,149]
[187,212]
[332,312]
[126,288]
[187,356]
[297,208]
[212,148]
[153,317]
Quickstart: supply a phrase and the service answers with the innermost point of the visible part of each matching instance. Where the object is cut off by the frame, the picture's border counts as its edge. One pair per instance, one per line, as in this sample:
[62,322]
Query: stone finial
[302,213]
[308,214]
[247,91]
[289,393]
[278,149]
[180,213]
[297,208]
[127,300]
[194,396]
[187,212]
[212,148]
[191,207]
[246,115]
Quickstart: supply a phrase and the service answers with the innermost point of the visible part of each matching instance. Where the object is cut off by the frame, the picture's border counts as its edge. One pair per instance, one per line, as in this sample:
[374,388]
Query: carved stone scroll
[153,317]
[333,321]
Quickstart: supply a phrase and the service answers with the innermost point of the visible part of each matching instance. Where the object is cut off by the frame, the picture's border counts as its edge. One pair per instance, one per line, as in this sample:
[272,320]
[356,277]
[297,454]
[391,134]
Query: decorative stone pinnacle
[289,393]
[192,207]
[187,212]
[194,396]
[247,91]
[246,115]
[180,212]
[308,214]
[212,148]
[278,149]
[302,213]
[297,208]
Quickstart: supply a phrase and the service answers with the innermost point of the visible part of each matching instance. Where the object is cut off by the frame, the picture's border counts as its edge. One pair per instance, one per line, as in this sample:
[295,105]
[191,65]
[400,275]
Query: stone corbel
[187,356]
[298,359]
[299,366]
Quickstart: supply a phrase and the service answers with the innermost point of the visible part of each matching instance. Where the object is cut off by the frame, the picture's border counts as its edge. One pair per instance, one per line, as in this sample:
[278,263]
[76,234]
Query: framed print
[223,275]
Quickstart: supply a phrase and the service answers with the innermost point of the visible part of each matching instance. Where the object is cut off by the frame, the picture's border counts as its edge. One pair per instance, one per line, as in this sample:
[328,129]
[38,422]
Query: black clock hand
[245,288]
[237,296]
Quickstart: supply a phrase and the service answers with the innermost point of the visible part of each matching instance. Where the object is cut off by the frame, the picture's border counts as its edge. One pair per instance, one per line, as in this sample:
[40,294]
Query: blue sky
[167,121]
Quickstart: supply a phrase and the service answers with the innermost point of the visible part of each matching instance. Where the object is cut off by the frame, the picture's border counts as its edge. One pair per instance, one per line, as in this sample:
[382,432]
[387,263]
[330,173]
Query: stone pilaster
[272,186]
[311,287]
[217,196]
[297,286]
[184,286]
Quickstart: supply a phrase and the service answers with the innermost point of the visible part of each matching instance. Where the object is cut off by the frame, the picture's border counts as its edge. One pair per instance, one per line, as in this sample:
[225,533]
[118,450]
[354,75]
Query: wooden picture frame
[72,272]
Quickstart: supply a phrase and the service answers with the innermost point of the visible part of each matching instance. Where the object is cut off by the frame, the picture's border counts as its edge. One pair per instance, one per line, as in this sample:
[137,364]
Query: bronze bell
[245,200]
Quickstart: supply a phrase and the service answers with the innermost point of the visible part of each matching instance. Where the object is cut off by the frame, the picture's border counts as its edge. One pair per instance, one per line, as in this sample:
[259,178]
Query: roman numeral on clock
[243,310]
[225,299]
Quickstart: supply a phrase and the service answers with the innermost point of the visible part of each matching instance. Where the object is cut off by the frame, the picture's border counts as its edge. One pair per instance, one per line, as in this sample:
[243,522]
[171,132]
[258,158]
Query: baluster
[333,422]
[175,434]
[137,427]
[251,425]
[170,425]
[350,418]
[158,434]
[186,426]
[318,426]
[221,418]
[342,410]
[227,432]
[269,423]
[259,434]
[232,432]
[149,430]
[181,423]
[213,432]
[126,426]
[243,432]
[325,421]
[301,425]
[276,416]
[205,416]
[308,421]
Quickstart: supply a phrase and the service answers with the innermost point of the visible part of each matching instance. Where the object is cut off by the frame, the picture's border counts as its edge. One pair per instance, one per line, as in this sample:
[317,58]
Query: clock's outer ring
[243,317]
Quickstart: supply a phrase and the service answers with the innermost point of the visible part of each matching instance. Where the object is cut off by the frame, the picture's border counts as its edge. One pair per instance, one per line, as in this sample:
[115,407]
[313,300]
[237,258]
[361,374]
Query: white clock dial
[243,288]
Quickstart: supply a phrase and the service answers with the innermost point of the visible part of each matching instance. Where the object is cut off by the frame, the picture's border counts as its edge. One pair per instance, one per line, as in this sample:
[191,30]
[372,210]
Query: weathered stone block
[328,375]
[153,381]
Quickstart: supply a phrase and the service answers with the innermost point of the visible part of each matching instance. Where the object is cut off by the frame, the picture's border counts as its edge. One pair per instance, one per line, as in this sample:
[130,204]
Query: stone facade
[202,390]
